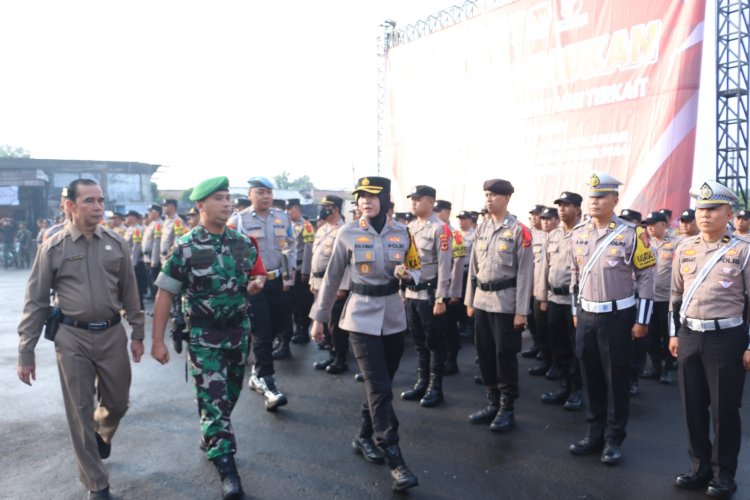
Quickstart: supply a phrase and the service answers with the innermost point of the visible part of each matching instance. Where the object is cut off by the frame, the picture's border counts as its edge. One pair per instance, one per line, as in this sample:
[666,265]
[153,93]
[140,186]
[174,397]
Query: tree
[282,180]
[8,151]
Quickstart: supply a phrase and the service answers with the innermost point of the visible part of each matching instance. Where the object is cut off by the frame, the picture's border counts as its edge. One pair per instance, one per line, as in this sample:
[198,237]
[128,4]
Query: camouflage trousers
[217,365]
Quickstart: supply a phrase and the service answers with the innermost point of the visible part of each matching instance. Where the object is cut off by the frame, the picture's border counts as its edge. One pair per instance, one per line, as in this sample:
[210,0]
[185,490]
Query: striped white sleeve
[645,308]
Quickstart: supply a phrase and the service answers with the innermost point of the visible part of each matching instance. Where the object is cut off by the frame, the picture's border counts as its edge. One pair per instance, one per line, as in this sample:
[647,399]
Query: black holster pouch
[54,316]
[179,327]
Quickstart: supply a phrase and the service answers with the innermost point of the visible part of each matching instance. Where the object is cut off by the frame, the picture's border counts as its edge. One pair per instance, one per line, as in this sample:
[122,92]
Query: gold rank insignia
[579,250]
[725,239]
[667,245]
[688,252]
[732,252]
[613,251]
[612,225]
[364,239]
[686,269]
[706,192]
[620,237]
[277,221]
[502,247]
[507,233]
[594,180]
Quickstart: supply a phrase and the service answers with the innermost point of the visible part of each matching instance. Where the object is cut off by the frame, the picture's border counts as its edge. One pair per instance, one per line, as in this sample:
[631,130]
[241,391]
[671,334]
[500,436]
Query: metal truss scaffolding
[732,78]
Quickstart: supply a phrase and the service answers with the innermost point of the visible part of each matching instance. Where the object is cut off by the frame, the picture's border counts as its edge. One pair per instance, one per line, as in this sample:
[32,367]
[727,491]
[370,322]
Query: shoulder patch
[525,236]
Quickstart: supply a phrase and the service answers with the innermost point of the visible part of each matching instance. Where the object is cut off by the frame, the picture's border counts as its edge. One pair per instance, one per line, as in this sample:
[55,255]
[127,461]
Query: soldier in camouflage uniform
[215,268]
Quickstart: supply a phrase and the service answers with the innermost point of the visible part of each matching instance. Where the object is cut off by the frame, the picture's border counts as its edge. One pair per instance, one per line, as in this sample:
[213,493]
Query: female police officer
[377,252]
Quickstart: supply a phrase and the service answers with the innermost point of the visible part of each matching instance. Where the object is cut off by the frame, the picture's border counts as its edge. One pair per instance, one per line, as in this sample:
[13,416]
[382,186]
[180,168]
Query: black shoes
[633,388]
[359,377]
[100,495]
[649,374]
[611,454]
[231,487]
[586,446]
[104,448]
[539,370]
[403,478]
[450,367]
[721,488]
[322,365]
[434,394]
[694,480]
[282,351]
[557,397]
[418,391]
[575,401]
[504,420]
[486,414]
[366,447]
[338,366]
[478,380]
[531,352]
[667,377]
[302,335]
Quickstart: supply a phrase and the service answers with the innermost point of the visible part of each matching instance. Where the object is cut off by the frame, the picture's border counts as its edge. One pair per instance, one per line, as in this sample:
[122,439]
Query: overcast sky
[238,88]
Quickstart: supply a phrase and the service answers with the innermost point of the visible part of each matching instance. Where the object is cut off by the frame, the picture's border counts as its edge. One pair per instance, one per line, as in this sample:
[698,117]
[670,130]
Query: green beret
[209,187]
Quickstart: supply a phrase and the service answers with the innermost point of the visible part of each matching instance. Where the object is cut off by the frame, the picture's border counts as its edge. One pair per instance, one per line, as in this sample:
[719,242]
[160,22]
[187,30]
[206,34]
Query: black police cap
[442,205]
[569,197]
[549,213]
[687,215]
[422,190]
[654,217]
[498,186]
[631,216]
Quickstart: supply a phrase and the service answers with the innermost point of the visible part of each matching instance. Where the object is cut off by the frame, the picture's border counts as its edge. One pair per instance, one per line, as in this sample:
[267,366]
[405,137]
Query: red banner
[543,92]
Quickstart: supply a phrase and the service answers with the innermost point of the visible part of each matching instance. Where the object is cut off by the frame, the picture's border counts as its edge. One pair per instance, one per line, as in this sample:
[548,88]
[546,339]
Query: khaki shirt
[537,242]
[434,244]
[147,242]
[371,259]
[275,237]
[304,235]
[322,249]
[611,277]
[555,266]
[171,229]
[460,258]
[468,242]
[157,231]
[134,238]
[92,280]
[501,251]
[664,253]
[722,293]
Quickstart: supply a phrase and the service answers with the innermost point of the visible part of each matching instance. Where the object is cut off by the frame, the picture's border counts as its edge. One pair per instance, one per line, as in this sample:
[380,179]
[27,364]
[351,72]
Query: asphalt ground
[303,450]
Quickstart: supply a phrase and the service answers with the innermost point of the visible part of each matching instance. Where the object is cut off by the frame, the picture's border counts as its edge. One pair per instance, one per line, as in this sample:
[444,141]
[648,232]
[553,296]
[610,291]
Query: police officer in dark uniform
[710,279]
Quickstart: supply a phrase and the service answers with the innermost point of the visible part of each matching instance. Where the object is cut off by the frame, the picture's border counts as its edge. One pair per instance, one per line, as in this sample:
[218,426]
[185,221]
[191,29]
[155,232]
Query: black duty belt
[496,285]
[216,324]
[423,285]
[318,274]
[94,326]
[375,290]
[560,291]
[299,262]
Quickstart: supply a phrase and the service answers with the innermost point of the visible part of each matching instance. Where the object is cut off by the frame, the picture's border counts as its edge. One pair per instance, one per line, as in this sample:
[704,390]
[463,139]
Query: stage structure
[732,85]
[541,93]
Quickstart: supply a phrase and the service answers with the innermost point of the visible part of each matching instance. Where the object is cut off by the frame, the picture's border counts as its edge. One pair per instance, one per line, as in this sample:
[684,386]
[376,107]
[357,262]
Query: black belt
[216,324]
[318,274]
[95,326]
[375,290]
[423,285]
[299,262]
[496,285]
[560,291]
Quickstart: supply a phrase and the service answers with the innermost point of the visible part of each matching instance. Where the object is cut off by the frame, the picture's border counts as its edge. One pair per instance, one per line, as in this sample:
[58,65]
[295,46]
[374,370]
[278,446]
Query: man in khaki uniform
[501,274]
[555,300]
[607,253]
[88,267]
[426,301]
[455,307]
[663,245]
[466,221]
[337,338]
[300,293]
[541,321]
[172,228]
[151,245]
[538,348]
[134,238]
[742,224]
[688,226]
[710,278]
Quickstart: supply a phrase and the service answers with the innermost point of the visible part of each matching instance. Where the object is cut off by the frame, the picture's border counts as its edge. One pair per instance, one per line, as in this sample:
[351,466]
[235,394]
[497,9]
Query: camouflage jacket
[212,272]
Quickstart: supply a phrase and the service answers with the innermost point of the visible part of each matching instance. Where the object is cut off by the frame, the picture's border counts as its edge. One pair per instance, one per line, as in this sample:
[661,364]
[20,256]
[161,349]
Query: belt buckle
[102,325]
[272,275]
[606,307]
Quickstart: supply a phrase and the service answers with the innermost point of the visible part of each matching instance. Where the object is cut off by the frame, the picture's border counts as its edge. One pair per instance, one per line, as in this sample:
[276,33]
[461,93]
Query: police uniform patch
[732,252]
[364,268]
[613,251]
[620,237]
[690,251]
[726,283]
[508,233]
[502,247]
[364,239]
[686,269]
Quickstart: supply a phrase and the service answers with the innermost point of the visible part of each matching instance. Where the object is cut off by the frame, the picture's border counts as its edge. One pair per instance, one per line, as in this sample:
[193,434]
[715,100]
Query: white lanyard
[595,256]
[702,276]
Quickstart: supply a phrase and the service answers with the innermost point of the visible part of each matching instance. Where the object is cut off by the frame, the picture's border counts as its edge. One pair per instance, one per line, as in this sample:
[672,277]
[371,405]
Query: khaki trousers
[93,365]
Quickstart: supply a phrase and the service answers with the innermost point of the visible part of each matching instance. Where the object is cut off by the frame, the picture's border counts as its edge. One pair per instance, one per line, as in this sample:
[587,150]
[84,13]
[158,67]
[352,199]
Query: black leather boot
[505,420]
[451,363]
[434,394]
[403,478]
[322,365]
[231,487]
[338,366]
[417,392]
[485,415]
[282,351]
